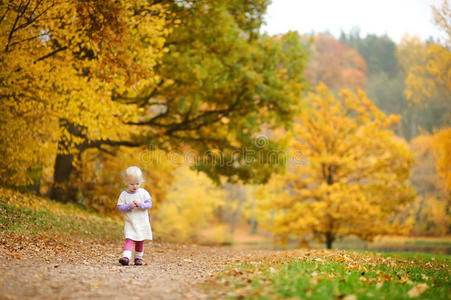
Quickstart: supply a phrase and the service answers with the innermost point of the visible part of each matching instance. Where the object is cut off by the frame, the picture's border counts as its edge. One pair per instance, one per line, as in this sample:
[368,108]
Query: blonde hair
[134,172]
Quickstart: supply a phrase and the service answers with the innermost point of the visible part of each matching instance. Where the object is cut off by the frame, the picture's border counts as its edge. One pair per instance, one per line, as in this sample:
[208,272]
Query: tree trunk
[235,216]
[62,189]
[329,240]
[253,221]
[234,193]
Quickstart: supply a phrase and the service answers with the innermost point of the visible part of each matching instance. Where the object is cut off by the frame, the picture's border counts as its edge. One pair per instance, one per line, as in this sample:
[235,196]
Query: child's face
[133,184]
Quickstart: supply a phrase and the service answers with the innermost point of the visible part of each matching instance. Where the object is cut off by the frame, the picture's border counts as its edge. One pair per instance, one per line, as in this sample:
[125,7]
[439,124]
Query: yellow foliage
[60,62]
[189,207]
[411,51]
[428,67]
[442,151]
[355,175]
[429,214]
[432,79]
[258,202]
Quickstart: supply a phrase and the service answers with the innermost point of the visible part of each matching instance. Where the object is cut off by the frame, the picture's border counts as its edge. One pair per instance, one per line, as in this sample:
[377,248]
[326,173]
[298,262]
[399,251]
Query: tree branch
[30,19]
[99,143]
[185,125]
[4,15]
[13,29]
[51,54]
[140,100]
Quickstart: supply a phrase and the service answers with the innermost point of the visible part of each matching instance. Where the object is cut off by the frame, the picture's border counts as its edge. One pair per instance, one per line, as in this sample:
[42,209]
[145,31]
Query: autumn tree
[217,85]
[426,112]
[335,64]
[59,63]
[429,83]
[192,75]
[428,78]
[442,139]
[429,214]
[356,174]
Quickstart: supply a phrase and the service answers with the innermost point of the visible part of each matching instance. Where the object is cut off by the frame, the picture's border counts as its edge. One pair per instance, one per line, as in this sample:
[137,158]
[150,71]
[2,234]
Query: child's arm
[147,204]
[126,207]
[123,206]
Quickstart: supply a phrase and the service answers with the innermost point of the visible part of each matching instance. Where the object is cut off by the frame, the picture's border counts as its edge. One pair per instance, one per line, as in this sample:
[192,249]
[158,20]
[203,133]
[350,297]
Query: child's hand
[136,203]
[133,205]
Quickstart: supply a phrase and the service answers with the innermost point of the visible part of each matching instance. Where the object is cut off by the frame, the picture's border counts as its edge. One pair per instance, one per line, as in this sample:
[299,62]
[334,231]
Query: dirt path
[39,269]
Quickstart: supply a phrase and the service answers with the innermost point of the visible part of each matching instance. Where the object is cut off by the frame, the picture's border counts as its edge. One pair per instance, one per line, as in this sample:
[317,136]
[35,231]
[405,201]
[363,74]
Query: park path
[32,268]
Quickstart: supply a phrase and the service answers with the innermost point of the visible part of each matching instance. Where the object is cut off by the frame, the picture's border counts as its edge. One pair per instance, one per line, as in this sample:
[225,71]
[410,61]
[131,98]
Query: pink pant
[139,245]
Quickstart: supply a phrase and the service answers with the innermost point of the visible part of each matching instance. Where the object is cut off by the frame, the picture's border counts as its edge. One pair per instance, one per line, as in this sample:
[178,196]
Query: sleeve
[121,205]
[147,203]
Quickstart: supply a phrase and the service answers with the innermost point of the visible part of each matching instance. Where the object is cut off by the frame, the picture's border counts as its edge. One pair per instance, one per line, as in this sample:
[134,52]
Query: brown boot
[124,261]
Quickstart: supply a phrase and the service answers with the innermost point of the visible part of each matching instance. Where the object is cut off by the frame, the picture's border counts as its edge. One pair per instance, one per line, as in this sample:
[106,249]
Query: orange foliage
[335,64]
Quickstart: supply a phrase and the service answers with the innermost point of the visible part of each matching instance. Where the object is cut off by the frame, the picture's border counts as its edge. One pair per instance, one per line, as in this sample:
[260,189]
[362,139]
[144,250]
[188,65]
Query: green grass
[429,243]
[337,275]
[23,214]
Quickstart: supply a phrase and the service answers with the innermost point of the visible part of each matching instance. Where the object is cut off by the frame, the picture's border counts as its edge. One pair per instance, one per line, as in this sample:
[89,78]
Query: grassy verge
[25,214]
[329,274]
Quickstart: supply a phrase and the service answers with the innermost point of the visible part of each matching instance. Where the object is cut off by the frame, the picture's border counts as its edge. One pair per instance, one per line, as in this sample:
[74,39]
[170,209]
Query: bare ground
[42,268]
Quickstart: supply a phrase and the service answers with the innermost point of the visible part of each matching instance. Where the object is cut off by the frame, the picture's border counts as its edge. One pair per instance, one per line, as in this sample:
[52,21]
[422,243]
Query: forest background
[292,138]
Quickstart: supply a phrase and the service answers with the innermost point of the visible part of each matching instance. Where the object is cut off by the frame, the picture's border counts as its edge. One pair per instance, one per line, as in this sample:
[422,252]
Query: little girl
[134,203]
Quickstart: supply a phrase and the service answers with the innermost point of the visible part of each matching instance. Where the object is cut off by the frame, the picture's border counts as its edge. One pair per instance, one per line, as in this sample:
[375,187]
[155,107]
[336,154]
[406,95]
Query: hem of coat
[138,240]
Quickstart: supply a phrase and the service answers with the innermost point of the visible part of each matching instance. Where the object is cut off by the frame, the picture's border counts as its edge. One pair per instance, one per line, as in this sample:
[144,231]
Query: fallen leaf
[417,290]
[313,280]
[94,284]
